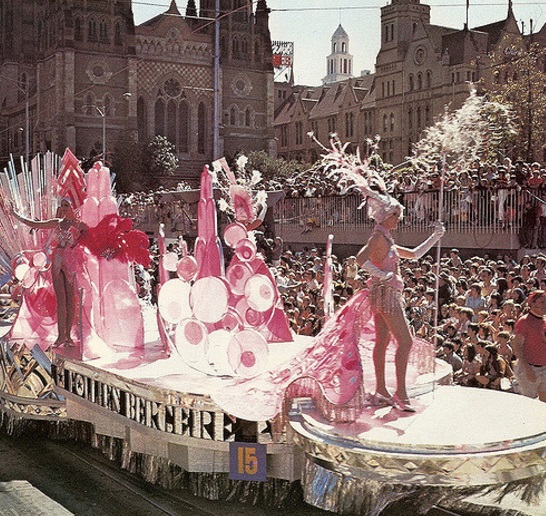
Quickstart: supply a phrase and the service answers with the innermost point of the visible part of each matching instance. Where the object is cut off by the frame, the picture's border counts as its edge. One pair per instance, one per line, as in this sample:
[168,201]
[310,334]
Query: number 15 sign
[247,461]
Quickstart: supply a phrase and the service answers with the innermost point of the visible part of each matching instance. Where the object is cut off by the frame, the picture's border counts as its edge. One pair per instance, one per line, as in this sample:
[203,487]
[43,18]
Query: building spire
[173,8]
[191,9]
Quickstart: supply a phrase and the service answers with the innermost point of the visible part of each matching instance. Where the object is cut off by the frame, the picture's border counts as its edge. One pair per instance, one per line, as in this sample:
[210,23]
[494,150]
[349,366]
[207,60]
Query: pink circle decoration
[237,275]
[209,299]
[21,271]
[187,268]
[30,278]
[170,261]
[260,293]
[245,250]
[191,341]
[41,261]
[250,316]
[173,301]
[248,353]
[233,233]
[232,321]
[217,353]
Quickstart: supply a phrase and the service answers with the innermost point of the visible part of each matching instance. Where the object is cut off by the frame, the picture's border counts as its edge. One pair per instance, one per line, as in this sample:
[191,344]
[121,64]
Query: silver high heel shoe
[401,404]
[379,400]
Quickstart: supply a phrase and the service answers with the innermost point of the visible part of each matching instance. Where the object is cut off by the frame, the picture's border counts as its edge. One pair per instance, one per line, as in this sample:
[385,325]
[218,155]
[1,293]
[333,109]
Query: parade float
[210,389]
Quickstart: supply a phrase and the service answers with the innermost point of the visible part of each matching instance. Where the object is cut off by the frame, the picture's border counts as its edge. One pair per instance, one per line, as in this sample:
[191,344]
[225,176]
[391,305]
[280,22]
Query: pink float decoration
[231,321]
[217,353]
[245,250]
[191,341]
[21,270]
[41,261]
[187,268]
[250,316]
[170,261]
[247,353]
[234,233]
[209,299]
[121,306]
[173,301]
[237,275]
[260,293]
[42,303]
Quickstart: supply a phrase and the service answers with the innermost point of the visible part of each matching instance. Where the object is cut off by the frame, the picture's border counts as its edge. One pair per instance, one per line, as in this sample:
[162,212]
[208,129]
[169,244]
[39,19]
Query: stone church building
[73,70]
[420,68]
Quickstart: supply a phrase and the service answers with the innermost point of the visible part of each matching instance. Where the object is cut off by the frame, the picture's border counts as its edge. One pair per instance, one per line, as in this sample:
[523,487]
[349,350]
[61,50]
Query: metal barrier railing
[500,210]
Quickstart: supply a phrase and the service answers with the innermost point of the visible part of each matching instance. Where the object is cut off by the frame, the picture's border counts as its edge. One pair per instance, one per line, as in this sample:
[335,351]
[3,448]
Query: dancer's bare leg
[382,337]
[69,288]
[60,288]
[398,326]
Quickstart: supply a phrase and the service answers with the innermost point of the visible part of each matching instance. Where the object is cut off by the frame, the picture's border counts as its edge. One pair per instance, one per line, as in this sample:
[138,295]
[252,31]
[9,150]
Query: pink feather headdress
[353,171]
[242,202]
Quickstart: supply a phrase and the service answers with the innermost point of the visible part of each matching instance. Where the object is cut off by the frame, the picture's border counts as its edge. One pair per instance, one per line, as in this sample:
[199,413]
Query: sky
[310,24]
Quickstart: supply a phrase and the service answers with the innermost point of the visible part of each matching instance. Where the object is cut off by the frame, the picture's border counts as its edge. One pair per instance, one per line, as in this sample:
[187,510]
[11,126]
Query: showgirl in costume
[330,369]
[67,231]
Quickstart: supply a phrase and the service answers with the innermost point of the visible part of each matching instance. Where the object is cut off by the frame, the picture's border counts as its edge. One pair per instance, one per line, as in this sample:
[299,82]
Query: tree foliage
[519,79]
[162,157]
[273,168]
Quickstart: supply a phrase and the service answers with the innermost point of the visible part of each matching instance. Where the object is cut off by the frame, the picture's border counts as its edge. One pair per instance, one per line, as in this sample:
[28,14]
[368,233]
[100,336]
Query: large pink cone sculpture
[234,314]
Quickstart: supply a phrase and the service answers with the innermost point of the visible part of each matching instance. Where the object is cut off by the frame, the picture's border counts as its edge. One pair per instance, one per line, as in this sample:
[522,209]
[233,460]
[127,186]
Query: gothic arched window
[78,33]
[201,128]
[411,82]
[92,32]
[117,34]
[184,127]
[160,117]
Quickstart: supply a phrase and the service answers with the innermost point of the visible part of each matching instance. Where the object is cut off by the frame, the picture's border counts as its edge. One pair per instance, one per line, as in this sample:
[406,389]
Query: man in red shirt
[530,347]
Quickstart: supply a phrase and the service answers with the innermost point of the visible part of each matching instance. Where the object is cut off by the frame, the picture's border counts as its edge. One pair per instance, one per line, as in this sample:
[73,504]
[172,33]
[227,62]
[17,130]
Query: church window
[385,123]
[410,119]
[160,117]
[392,122]
[248,116]
[343,47]
[458,75]
[427,115]
[183,127]
[299,133]
[235,46]
[331,125]
[387,28]
[382,89]
[419,118]
[92,34]
[411,82]
[284,136]
[393,83]
[429,79]
[171,120]
[201,128]
[142,119]
[233,116]
[345,66]
[349,124]
[244,46]
[117,34]
[334,48]
[103,31]
[78,34]
[419,81]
